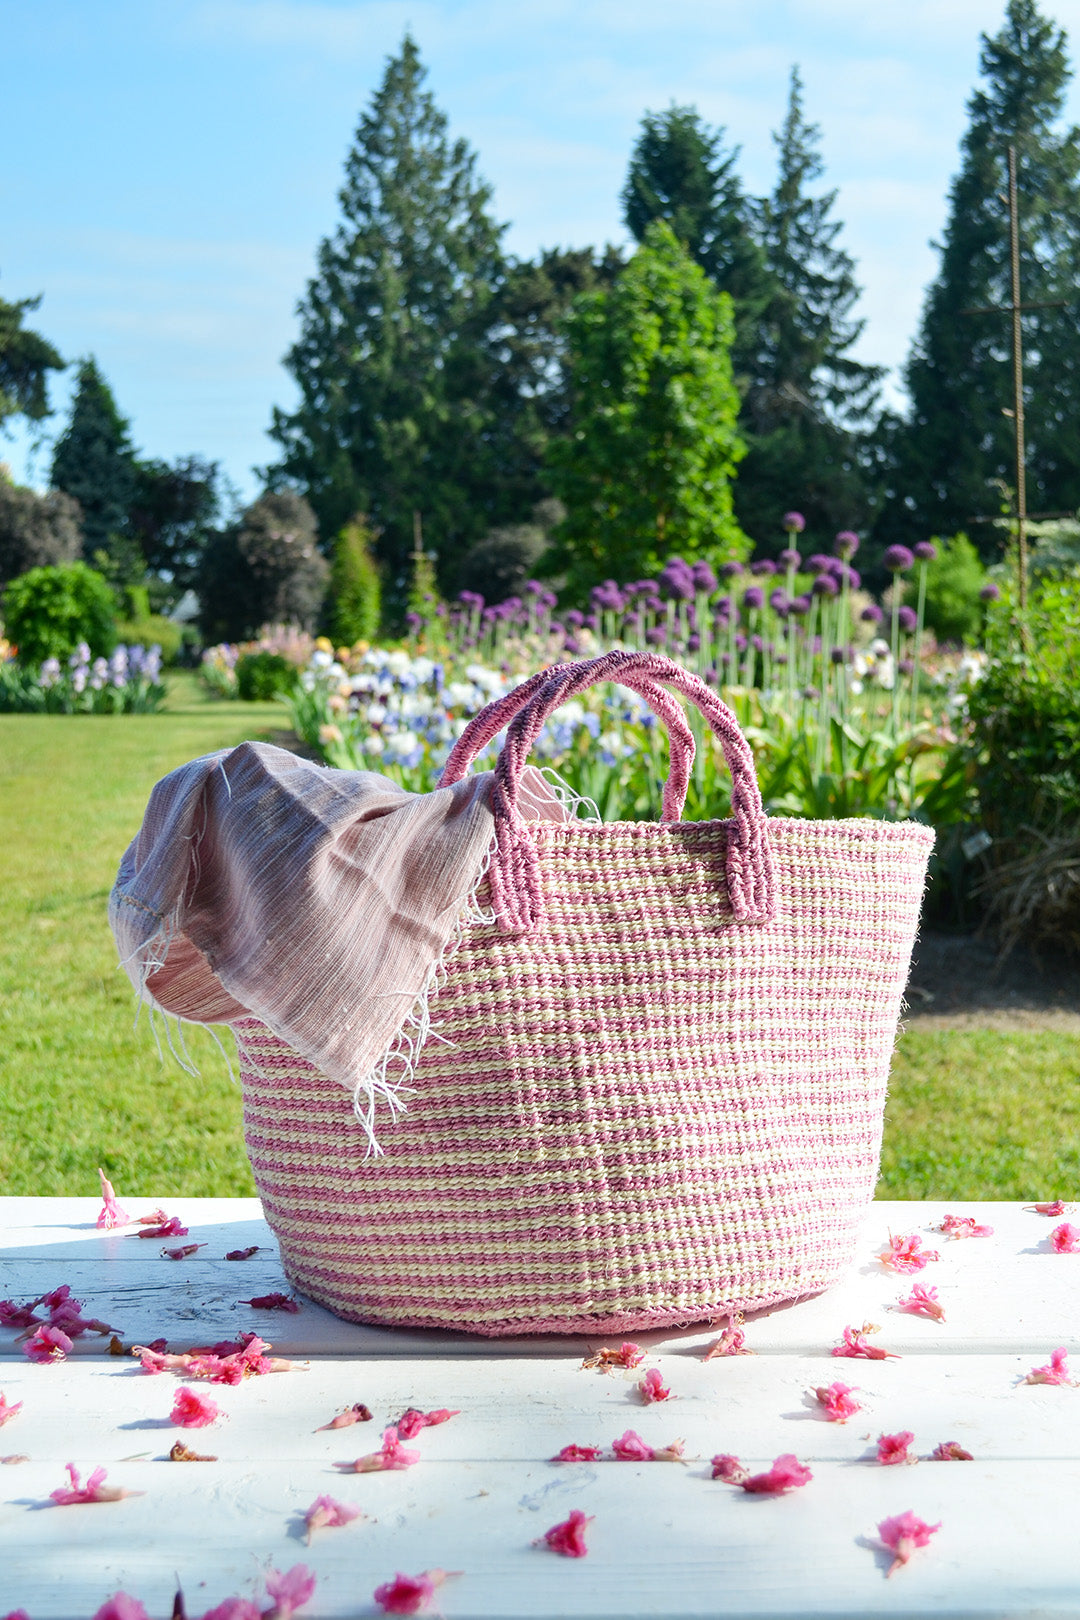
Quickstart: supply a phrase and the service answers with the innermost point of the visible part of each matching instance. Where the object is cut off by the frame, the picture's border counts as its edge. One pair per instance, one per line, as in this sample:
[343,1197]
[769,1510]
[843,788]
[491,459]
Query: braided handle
[515,876]
[494,716]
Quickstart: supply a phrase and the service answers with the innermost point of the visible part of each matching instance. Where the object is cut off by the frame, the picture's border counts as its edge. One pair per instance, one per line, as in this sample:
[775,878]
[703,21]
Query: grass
[972,1112]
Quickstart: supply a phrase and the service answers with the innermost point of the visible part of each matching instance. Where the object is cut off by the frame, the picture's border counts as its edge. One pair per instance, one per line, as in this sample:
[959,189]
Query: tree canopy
[26,359]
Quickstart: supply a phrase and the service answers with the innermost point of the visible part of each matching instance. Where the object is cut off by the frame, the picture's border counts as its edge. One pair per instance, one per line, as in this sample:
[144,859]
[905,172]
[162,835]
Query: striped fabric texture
[642,1113]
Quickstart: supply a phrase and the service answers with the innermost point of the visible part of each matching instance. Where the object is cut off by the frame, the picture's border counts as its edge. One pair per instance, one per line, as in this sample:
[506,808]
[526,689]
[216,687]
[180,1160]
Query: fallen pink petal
[1065,1239]
[289,1591]
[327,1513]
[729,1469]
[964,1226]
[905,1253]
[273,1302]
[628,1355]
[1056,1208]
[242,1254]
[895,1448]
[652,1388]
[412,1421]
[234,1608]
[121,1607]
[156,1217]
[786,1474]
[410,1594]
[95,1489]
[169,1227]
[855,1343]
[111,1214]
[8,1409]
[391,1456]
[18,1316]
[578,1454]
[183,1252]
[837,1402]
[357,1413]
[48,1343]
[567,1538]
[950,1451]
[1056,1372]
[732,1342]
[191,1410]
[903,1534]
[922,1301]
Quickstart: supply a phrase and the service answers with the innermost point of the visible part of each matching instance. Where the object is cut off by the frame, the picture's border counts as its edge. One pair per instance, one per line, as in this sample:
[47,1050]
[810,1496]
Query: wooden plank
[664,1541]
[756,1407]
[1006,1293]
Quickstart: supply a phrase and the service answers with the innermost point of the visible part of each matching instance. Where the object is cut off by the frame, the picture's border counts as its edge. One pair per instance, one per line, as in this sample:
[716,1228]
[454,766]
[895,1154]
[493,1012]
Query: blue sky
[170,168]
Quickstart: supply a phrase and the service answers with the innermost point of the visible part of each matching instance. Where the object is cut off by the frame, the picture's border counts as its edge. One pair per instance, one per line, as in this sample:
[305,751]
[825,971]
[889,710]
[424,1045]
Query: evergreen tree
[954,453]
[355,587]
[646,470]
[393,361]
[809,405]
[679,172]
[25,362]
[173,511]
[94,462]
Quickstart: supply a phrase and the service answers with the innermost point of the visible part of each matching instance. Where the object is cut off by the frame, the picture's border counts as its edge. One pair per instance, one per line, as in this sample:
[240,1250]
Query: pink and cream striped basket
[657,1090]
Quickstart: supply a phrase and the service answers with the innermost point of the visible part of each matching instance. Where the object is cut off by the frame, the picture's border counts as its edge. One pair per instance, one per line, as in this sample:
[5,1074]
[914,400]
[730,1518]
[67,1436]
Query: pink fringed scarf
[317,901]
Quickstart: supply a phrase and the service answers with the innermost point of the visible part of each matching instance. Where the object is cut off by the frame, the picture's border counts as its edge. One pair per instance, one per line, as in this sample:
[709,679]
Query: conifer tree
[647,467]
[94,462]
[810,403]
[954,454]
[393,360]
[26,358]
[679,172]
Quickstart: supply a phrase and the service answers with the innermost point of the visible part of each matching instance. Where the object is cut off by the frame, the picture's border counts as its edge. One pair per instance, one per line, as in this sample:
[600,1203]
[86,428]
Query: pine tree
[647,468]
[393,361]
[26,359]
[355,587]
[679,172]
[954,454]
[94,462]
[810,403]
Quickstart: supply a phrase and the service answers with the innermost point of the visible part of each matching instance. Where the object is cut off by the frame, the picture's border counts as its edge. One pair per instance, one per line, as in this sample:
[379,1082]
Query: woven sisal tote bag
[655,1094]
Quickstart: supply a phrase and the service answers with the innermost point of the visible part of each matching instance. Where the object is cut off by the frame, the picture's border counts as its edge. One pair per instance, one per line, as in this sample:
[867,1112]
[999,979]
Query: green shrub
[953,582]
[152,631]
[355,586]
[49,611]
[260,676]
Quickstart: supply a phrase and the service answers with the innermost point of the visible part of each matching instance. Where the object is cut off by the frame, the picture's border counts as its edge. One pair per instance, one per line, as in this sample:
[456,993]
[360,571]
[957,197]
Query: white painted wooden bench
[666,1539]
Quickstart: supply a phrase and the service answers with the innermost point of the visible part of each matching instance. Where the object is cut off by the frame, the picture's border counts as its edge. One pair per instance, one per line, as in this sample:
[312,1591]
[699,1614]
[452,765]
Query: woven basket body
[643,1112]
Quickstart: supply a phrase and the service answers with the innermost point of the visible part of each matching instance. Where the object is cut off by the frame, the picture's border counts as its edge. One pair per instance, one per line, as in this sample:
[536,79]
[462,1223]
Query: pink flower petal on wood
[837,1402]
[905,1253]
[964,1226]
[577,1454]
[568,1536]
[111,1214]
[630,1447]
[170,1227]
[652,1388]
[243,1254]
[95,1489]
[1056,1372]
[121,1607]
[327,1513]
[13,1315]
[191,1410]
[8,1409]
[357,1413]
[1065,1239]
[729,1469]
[289,1591]
[390,1457]
[854,1343]
[950,1451]
[183,1251]
[412,1421]
[922,1301]
[893,1448]
[48,1343]
[785,1474]
[903,1534]
[1055,1208]
[273,1302]
[628,1355]
[409,1594]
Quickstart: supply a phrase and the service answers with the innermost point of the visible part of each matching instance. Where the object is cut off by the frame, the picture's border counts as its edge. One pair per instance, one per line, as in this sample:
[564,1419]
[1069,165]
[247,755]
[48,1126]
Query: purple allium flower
[925,550]
[646,587]
[413,621]
[872,614]
[907,619]
[794,522]
[906,666]
[825,585]
[740,642]
[591,621]
[764,565]
[853,577]
[549,600]
[607,597]
[990,592]
[781,658]
[836,654]
[757,644]
[753,597]
[847,543]
[676,577]
[820,563]
[694,643]
[656,636]
[704,578]
[574,617]
[724,605]
[571,645]
[730,570]
[533,587]
[632,620]
[800,605]
[790,559]
[898,559]
[811,692]
[778,599]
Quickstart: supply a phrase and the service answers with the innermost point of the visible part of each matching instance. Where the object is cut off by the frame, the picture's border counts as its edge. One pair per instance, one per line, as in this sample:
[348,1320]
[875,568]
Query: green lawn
[971,1112]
